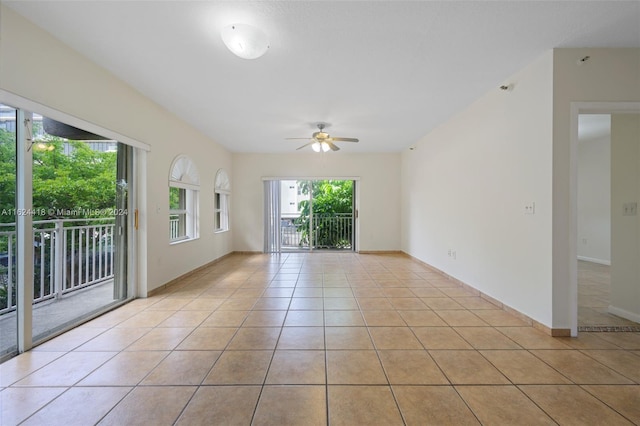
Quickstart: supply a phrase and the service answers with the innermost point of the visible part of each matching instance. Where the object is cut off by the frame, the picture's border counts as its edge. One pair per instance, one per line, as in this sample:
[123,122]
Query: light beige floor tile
[623,362]
[340,303]
[303,292]
[150,405]
[276,402]
[623,399]
[411,367]
[467,367]
[208,304]
[240,368]
[115,339]
[348,338]
[242,293]
[225,319]
[354,367]
[407,303]
[24,364]
[71,408]
[530,338]
[365,292]
[521,367]
[579,368]
[338,292]
[571,405]
[67,370]
[146,319]
[306,304]
[499,318]
[19,403]
[383,319]
[461,318]
[397,293]
[125,369]
[477,303]
[502,405]
[255,338]
[623,340]
[374,304]
[433,405]
[185,319]
[182,368]
[304,319]
[272,303]
[70,340]
[265,319]
[208,339]
[239,304]
[170,304]
[160,339]
[286,292]
[424,292]
[423,318]
[441,303]
[440,338]
[587,341]
[224,405]
[362,405]
[394,338]
[297,368]
[301,338]
[343,318]
[219,293]
[486,338]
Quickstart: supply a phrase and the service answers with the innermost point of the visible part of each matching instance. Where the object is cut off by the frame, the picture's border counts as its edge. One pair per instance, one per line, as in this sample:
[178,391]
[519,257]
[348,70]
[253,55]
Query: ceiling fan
[322,141]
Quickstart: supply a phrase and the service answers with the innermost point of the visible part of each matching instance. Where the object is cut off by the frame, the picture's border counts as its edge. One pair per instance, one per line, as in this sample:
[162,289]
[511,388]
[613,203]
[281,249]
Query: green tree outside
[330,199]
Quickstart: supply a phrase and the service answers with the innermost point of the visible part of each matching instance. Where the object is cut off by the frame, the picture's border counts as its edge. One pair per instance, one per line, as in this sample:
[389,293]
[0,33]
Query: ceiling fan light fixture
[316,146]
[245,41]
[325,147]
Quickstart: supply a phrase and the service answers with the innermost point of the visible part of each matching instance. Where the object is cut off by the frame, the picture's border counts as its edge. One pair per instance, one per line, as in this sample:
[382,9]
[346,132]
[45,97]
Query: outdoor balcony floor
[55,314]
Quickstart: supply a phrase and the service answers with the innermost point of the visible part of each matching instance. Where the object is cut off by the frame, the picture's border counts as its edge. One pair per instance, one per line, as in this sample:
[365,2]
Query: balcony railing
[329,231]
[68,254]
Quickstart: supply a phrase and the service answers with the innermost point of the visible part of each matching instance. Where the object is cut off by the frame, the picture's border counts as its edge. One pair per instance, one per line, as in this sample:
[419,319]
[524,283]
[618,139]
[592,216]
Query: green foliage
[82,182]
[331,198]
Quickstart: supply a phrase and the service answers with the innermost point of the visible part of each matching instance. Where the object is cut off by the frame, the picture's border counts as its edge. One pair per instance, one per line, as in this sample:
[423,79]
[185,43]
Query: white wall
[594,197]
[625,229]
[610,75]
[465,187]
[378,192]
[36,66]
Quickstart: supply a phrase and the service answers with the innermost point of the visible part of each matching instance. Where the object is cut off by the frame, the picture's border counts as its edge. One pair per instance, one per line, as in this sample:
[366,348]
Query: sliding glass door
[75,187]
[309,215]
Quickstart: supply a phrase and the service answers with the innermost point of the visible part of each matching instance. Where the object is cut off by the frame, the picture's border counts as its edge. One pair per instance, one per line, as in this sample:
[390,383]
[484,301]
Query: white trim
[578,108]
[356,178]
[17,101]
[594,260]
[631,316]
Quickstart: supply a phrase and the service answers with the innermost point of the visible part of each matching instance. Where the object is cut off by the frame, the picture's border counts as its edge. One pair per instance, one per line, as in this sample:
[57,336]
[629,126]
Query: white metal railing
[333,231]
[174,227]
[68,254]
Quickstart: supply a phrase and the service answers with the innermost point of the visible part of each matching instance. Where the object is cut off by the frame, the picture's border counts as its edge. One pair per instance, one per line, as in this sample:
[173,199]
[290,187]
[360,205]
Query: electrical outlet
[630,209]
[530,208]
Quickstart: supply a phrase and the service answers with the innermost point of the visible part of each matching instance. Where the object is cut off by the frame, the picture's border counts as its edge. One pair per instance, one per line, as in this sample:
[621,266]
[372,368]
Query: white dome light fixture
[245,41]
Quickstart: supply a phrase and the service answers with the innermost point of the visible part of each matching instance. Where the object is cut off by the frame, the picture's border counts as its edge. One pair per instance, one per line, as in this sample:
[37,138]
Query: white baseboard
[631,316]
[594,260]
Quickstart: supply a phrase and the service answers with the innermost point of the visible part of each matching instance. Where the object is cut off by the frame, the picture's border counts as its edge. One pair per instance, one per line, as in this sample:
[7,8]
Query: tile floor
[594,291]
[322,338]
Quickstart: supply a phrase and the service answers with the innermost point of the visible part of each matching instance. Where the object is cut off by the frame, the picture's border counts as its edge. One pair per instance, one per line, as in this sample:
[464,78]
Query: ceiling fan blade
[305,145]
[296,139]
[333,146]
[345,139]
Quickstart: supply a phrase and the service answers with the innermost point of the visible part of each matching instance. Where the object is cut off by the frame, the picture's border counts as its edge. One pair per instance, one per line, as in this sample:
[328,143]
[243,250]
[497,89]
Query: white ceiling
[387,72]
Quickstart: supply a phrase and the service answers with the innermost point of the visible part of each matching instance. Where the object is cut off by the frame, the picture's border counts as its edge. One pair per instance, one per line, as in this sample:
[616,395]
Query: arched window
[221,201]
[184,186]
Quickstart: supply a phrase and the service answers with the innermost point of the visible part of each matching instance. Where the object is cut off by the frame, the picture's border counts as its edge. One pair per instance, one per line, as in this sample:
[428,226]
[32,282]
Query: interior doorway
[608,186]
[310,214]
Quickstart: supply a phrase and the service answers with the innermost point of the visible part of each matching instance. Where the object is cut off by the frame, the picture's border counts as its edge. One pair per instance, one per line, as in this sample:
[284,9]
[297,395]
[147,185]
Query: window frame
[221,202]
[184,177]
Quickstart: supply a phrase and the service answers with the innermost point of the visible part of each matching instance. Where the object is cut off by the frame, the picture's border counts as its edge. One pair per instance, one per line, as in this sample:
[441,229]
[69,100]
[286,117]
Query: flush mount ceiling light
[245,41]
